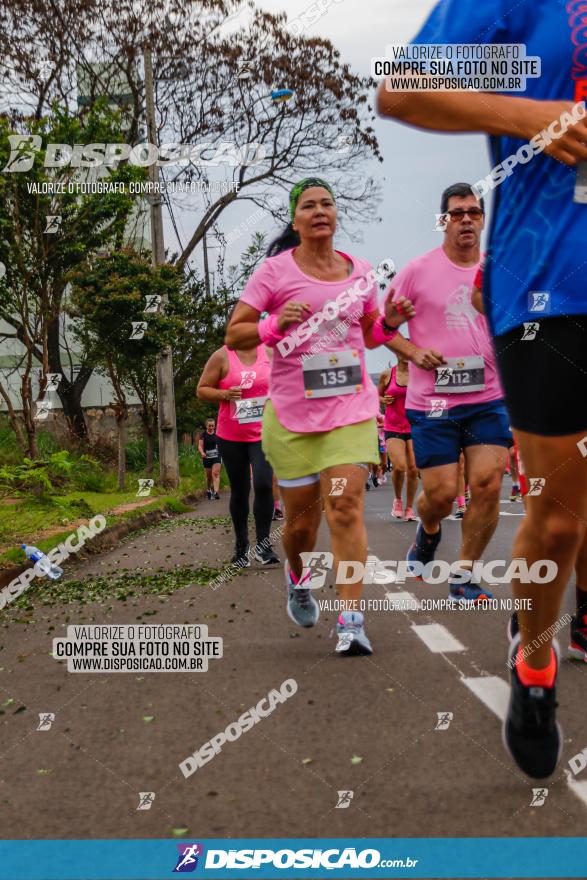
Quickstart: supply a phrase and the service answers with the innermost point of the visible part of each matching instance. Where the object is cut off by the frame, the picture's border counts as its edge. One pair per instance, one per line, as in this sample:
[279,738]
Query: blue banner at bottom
[302,858]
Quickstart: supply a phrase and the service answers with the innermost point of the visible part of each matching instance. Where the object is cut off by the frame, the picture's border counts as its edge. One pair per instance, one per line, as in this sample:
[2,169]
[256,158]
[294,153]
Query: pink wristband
[380,335]
[269,332]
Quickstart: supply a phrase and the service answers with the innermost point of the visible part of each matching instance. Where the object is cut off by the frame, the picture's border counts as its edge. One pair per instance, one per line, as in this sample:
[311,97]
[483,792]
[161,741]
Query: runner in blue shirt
[535,296]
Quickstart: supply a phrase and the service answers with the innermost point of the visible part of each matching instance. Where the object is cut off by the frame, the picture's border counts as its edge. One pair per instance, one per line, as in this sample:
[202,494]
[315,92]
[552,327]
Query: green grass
[88,489]
[23,522]
[9,451]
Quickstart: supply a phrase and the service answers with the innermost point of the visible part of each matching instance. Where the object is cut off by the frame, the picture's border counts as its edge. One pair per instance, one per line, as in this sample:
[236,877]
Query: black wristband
[386,327]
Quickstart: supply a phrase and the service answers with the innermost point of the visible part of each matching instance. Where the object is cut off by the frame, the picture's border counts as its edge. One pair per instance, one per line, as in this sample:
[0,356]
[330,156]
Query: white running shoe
[352,638]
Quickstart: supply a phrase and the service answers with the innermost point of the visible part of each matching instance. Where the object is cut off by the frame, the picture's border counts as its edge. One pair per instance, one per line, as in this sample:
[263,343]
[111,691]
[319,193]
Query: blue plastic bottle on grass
[47,567]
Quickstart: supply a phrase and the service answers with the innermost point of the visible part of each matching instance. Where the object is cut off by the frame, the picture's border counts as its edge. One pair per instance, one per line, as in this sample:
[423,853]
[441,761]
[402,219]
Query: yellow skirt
[294,455]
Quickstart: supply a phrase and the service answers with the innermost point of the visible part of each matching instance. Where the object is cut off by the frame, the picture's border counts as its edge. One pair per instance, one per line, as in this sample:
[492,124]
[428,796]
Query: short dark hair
[458,189]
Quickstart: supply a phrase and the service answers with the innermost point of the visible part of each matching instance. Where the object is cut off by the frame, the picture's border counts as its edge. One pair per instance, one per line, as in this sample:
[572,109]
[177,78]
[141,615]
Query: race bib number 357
[249,410]
[332,373]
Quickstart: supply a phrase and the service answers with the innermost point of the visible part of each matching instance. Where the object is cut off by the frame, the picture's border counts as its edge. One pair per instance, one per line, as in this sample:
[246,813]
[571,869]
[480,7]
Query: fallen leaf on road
[307,761]
[180,832]
[148,717]
[356,760]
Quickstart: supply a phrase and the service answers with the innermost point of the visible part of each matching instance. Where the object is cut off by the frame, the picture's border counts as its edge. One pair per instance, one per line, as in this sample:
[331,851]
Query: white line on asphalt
[578,788]
[437,638]
[492,691]
[407,601]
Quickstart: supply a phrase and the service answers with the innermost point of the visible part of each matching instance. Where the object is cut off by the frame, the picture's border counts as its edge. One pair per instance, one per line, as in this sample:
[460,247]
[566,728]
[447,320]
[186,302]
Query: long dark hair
[287,240]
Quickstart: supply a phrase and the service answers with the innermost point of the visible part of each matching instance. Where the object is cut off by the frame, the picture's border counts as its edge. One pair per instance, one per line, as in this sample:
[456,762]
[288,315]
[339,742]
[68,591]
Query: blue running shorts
[440,440]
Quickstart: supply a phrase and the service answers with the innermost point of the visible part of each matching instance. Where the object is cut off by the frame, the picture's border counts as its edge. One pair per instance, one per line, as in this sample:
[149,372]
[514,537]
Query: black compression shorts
[398,435]
[545,377]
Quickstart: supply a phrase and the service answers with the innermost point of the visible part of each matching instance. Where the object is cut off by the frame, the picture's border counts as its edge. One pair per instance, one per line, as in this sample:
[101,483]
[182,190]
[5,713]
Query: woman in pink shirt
[319,430]
[239,381]
[393,386]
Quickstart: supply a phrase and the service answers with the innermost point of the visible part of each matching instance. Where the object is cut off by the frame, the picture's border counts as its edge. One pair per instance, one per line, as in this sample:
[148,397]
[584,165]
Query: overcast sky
[417,165]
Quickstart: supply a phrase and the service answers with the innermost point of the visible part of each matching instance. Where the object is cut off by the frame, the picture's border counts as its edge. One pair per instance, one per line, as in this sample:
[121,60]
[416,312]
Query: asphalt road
[366,725]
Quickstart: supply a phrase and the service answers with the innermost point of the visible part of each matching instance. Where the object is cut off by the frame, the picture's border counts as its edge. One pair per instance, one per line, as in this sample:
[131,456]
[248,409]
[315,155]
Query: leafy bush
[51,475]
[88,476]
[136,455]
[9,451]
[47,444]
[40,476]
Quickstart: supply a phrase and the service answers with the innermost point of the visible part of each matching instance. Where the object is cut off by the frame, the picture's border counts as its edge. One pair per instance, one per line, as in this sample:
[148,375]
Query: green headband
[303,185]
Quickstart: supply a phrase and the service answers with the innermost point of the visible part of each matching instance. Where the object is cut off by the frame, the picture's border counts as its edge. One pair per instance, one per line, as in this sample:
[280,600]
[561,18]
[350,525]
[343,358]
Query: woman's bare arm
[242,331]
[212,373]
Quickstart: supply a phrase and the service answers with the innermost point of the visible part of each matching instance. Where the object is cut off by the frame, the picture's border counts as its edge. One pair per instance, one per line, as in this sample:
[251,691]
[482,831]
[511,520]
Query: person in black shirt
[211,459]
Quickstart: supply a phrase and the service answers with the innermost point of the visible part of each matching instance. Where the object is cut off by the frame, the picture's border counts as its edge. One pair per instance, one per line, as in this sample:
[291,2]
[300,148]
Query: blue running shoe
[470,592]
[423,548]
[350,631]
[463,588]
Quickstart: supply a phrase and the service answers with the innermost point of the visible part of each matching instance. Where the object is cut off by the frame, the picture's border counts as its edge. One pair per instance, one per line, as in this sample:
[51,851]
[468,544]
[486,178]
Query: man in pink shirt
[454,399]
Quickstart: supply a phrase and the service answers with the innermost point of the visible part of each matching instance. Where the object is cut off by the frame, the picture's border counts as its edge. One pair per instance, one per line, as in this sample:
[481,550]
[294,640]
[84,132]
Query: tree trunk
[70,397]
[26,393]
[70,393]
[150,437]
[32,448]
[121,411]
[13,418]
[121,422]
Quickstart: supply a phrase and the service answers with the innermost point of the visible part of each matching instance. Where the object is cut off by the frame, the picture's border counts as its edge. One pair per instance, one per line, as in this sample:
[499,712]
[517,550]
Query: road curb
[110,535]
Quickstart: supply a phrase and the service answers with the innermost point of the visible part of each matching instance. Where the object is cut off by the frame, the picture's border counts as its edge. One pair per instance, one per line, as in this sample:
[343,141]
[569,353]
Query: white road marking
[437,638]
[578,787]
[507,513]
[407,601]
[492,691]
